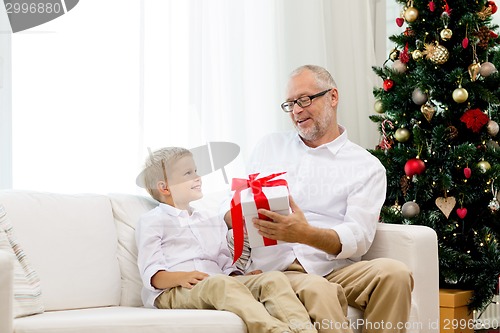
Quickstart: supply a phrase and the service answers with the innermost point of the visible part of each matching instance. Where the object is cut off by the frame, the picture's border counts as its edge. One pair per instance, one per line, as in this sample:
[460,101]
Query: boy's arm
[166,280]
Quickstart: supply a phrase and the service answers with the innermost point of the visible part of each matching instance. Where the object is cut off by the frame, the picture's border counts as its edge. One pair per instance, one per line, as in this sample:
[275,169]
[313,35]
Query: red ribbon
[238,185]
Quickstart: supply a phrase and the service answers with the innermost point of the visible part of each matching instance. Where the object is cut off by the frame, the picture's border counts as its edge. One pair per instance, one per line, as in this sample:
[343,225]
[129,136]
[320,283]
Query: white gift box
[277,196]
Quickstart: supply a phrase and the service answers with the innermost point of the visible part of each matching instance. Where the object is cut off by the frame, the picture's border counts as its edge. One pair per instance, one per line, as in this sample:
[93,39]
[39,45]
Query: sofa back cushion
[72,245]
[127,209]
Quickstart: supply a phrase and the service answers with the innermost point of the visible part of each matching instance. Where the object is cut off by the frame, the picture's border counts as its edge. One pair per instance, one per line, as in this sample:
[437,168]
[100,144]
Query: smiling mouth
[300,121]
[198,187]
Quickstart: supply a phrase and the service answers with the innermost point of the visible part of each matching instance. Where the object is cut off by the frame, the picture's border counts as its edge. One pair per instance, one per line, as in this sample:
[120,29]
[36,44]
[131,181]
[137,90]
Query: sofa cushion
[127,210]
[132,320]
[72,245]
[26,284]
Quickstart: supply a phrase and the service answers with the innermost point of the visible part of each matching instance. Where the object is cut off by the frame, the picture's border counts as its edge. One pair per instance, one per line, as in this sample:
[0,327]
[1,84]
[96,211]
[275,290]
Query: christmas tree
[437,113]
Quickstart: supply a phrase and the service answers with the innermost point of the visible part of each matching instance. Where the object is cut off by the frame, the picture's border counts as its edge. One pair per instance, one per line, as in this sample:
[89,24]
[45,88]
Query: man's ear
[335,97]
[162,187]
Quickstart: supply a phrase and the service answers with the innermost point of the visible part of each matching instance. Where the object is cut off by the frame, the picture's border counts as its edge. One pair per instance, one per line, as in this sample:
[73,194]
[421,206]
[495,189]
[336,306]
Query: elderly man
[336,191]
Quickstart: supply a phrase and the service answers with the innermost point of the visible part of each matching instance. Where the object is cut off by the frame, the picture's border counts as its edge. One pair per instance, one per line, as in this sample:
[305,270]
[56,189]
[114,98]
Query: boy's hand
[190,279]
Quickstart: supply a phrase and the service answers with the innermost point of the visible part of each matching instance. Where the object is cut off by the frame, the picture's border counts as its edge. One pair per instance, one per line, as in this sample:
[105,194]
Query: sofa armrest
[6,291]
[416,246]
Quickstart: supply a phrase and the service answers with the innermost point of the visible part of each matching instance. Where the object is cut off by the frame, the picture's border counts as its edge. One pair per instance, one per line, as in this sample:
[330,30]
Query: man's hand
[294,228]
[289,228]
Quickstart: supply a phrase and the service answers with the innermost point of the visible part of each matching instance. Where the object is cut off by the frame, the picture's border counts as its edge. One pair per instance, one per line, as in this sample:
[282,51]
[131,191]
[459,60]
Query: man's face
[183,182]
[313,122]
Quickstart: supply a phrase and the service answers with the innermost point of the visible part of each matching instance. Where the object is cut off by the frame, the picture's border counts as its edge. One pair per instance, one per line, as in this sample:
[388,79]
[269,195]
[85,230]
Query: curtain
[94,90]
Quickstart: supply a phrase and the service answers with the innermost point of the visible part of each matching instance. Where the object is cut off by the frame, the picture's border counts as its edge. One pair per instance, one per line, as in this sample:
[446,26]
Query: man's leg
[222,292]
[382,288]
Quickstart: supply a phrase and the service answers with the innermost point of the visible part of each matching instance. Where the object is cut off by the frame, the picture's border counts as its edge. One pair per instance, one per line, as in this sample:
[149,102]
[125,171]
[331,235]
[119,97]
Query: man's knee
[394,271]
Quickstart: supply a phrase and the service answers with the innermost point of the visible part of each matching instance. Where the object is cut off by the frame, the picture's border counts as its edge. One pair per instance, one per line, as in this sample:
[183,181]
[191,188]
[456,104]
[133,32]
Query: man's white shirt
[338,185]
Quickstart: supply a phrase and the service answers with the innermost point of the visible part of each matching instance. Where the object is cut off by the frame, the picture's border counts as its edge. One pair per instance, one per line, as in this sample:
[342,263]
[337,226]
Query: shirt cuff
[348,242]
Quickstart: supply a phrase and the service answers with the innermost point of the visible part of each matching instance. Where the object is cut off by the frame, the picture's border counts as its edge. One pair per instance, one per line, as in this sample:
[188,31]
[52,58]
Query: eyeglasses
[303,101]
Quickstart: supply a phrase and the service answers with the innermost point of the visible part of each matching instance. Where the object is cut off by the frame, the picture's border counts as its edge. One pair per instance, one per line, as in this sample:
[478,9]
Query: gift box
[277,198]
[454,316]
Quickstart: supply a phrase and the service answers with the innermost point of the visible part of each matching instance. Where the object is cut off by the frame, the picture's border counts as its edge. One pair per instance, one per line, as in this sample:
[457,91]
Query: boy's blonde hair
[156,166]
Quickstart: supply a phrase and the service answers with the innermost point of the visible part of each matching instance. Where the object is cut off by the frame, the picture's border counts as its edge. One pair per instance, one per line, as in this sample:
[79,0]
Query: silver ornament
[418,97]
[494,205]
[410,209]
[399,66]
[492,128]
[487,68]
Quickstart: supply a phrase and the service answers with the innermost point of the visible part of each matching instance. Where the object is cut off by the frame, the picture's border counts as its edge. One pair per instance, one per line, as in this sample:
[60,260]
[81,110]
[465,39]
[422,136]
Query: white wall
[5,102]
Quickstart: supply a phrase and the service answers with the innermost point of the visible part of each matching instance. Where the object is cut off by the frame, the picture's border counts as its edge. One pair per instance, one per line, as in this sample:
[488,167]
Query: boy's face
[183,182]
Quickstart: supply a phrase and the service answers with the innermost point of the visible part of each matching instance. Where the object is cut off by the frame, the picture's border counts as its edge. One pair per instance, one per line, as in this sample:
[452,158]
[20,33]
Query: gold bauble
[446,34]
[394,54]
[378,106]
[402,134]
[417,54]
[436,53]
[460,95]
[484,166]
[411,14]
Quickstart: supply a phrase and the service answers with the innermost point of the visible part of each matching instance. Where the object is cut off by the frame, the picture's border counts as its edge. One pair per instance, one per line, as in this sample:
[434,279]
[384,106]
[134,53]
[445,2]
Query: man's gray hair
[323,78]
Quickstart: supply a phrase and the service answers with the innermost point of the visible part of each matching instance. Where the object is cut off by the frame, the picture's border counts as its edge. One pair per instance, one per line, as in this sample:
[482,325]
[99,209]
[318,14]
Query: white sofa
[83,249]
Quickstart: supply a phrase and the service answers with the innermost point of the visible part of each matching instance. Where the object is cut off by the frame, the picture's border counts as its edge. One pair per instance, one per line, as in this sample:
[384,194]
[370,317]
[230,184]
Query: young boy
[184,260]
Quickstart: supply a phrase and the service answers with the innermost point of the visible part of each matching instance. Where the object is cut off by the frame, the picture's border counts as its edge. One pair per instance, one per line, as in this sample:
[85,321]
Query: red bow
[238,185]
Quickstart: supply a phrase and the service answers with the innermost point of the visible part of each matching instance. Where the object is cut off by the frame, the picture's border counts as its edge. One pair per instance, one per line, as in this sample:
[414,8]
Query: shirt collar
[174,211]
[333,146]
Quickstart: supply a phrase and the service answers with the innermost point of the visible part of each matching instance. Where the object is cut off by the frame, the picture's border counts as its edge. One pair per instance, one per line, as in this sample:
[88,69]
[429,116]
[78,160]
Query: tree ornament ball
[402,134]
[378,106]
[487,68]
[484,166]
[446,34]
[411,14]
[460,95]
[410,209]
[414,166]
[492,128]
[417,54]
[394,54]
[418,97]
[399,66]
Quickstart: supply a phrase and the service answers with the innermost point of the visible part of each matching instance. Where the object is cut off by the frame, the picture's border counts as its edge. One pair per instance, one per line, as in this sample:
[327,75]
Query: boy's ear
[162,187]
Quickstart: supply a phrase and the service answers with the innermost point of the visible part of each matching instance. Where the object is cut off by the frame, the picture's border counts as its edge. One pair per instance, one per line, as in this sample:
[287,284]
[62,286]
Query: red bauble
[400,21]
[415,166]
[493,6]
[388,83]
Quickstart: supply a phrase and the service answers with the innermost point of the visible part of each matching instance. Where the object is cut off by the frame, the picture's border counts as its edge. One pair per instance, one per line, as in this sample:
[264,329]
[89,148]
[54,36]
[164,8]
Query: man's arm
[165,280]
[294,228]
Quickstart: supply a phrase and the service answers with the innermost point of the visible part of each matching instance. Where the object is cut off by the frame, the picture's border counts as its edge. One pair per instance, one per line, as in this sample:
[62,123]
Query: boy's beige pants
[266,302]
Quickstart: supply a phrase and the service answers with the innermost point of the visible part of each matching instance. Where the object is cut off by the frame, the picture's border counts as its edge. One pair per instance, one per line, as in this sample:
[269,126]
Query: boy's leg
[325,301]
[222,292]
[382,288]
[274,291]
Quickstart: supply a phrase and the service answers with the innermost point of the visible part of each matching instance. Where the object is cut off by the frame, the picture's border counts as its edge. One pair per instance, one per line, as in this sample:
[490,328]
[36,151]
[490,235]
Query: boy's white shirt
[170,239]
